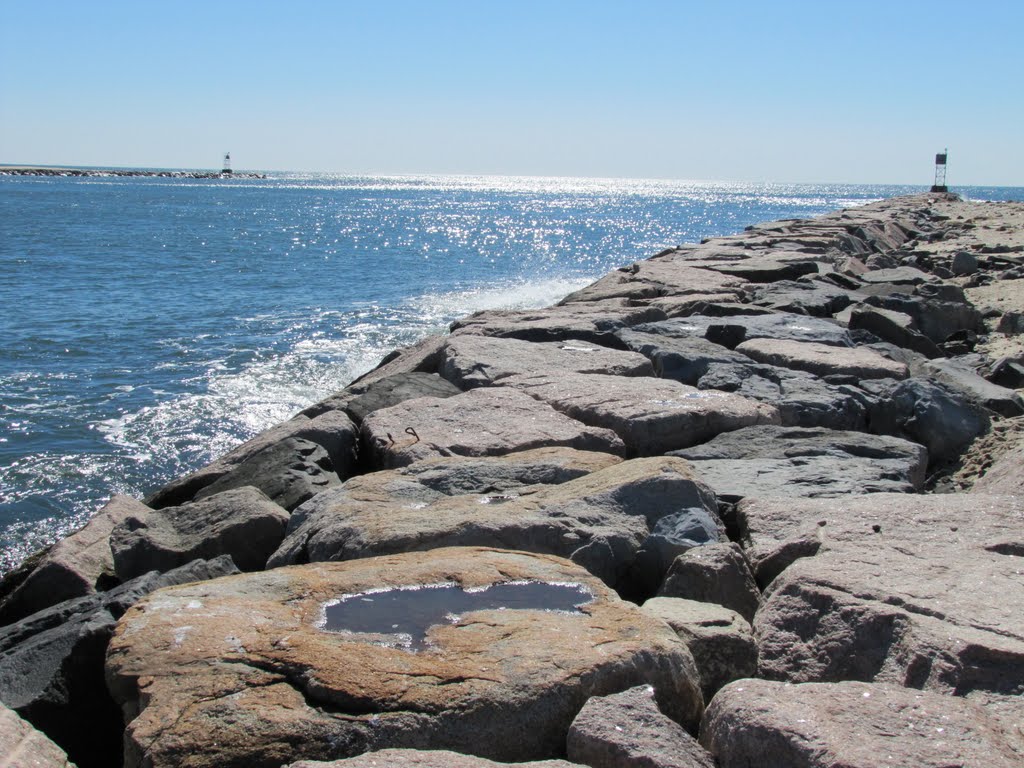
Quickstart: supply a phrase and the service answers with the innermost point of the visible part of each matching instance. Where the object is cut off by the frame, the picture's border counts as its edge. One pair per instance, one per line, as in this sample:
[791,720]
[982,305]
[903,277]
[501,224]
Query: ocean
[148,325]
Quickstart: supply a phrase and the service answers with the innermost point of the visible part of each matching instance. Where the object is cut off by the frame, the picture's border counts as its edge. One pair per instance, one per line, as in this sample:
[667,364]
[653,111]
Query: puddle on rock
[402,616]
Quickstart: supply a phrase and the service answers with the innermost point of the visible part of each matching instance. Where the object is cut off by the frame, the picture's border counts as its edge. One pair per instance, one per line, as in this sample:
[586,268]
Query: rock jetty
[752,501]
[31,170]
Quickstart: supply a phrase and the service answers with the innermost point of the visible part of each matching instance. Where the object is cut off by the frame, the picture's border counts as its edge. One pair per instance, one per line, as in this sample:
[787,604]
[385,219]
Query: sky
[854,92]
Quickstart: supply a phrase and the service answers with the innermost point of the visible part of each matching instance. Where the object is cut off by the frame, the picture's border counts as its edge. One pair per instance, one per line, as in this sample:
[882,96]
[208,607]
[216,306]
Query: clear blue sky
[786,91]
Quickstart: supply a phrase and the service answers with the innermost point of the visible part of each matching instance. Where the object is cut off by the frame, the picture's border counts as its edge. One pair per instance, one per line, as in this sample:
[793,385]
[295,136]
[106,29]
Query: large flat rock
[794,461]
[303,662]
[595,322]
[739,328]
[651,416]
[803,399]
[625,523]
[852,725]
[916,590]
[684,359]
[476,361]
[823,359]
[482,422]
[656,278]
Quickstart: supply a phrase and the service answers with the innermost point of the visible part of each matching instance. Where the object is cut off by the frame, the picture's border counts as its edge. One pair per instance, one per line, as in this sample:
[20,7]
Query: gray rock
[288,472]
[714,573]
[1001,400]
[627,730]
[964,263]
[242,523]
[803,399]
[422,357]
[654,278]
[928,413]
[51,664]
[1011,323]
[766,270]
[77,565]
[792,461]
[938,314]
[494,474]
[894,327]
[915,590]
[332,430]
[897,276]
[488,421]
[602,521]
[823,359]
[594,322]
[772,326]
[851,725]
[475,361]
[651,416]
[720,641]
[22,746]
[397,388]
[422,758]
[682,359]
[803,297]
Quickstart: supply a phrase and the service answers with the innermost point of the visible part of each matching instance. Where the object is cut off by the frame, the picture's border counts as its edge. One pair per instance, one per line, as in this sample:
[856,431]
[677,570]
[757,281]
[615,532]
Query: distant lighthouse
[227,163]
[940,172]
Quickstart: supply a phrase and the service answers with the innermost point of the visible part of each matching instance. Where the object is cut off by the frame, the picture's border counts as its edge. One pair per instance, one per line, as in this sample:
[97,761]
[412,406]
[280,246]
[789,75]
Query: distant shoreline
[35,170]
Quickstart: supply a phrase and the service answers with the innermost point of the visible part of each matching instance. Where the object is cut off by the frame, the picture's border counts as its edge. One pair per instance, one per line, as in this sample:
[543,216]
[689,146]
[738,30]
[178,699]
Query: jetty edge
[35,170]
[780,473]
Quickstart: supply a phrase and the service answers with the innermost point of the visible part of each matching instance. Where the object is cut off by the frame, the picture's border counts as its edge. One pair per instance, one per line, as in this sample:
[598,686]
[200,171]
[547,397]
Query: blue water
[149,325]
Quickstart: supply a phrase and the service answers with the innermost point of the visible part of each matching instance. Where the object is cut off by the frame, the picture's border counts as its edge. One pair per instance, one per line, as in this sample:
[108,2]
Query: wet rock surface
[268,684]
[825,378]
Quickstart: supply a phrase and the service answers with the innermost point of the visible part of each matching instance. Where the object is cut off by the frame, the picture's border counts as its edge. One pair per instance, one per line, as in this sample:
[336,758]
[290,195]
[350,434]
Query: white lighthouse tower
[227,164]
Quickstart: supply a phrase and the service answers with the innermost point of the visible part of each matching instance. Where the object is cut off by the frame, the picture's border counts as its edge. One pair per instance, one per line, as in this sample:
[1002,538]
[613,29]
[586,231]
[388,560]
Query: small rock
[964,263]
[22,746]
[627,730]
[715,573]
[721,641]
[821,359]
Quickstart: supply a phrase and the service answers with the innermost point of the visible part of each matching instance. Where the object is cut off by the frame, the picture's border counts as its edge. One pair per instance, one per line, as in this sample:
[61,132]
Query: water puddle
[400,617]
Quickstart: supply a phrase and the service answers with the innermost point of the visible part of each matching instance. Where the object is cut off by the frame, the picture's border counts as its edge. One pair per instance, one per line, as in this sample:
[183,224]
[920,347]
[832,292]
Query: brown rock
[482,422]
[714,573]
[22,746]
[651,416]
[1005,476]
[627,730]
[595,322]
[475,361]
[851,725]
[921,591]
[823,360]
[267,685]
[655,278]
[721,641]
